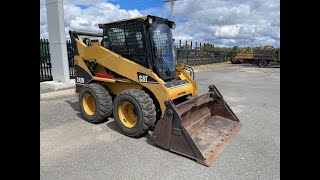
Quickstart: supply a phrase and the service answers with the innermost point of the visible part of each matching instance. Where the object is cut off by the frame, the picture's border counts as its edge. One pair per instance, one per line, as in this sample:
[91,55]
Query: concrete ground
[71,148]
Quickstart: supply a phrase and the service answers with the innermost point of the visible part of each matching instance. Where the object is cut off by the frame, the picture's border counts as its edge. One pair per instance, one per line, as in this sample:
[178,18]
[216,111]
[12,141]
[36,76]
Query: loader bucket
[199,128]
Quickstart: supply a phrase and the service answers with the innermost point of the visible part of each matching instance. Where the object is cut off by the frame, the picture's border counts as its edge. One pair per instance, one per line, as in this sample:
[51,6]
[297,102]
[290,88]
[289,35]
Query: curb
[56,86]
[58,94]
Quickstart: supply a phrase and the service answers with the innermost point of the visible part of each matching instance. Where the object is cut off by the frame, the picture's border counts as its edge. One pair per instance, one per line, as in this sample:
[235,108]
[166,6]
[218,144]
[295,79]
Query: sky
[224,23]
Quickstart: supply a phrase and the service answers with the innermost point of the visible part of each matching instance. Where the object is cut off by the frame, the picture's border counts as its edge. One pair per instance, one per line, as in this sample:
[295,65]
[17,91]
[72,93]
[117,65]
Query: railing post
[187,52]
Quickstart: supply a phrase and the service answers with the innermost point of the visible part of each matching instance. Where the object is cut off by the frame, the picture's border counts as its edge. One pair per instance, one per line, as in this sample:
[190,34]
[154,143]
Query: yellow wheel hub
[88,104]
[126,114]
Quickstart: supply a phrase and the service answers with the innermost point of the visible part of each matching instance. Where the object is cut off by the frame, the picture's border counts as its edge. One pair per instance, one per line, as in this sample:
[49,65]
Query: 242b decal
[80,80]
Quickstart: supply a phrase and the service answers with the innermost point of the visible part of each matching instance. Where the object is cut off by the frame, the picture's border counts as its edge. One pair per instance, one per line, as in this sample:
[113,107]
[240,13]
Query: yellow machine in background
[239,57]
[129,71]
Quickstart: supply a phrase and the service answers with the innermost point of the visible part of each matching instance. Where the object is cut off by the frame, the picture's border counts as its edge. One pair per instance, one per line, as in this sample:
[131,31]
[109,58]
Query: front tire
[95,103]
[134,112]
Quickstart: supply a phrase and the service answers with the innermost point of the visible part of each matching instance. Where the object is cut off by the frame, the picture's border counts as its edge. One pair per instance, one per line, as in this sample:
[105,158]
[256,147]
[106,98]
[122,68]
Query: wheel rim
[127,115]
[88,104]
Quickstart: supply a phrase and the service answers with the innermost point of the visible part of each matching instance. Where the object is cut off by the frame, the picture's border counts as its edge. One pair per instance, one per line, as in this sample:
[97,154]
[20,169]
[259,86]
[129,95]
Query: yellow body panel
[179,91]
[129,69]
[118,87]
[104,79]
[79,61]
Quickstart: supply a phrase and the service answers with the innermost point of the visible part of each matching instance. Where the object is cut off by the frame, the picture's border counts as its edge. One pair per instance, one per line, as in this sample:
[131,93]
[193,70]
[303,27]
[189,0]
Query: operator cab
[146,40]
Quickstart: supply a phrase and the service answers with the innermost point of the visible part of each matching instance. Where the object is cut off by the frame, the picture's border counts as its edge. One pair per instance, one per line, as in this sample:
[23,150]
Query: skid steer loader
[129,71]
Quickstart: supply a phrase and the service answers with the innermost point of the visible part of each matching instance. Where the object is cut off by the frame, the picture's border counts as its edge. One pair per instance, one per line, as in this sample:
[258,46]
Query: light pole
[253,35]
[172,3]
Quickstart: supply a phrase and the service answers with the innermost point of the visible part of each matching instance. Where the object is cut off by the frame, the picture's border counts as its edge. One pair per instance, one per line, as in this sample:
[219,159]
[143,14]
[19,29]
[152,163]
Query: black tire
[102,101]
[143,107]
[263,63]
[254,62]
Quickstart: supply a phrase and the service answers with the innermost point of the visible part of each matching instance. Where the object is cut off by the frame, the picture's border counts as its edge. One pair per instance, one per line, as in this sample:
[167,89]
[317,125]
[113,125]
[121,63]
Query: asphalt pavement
[71,148]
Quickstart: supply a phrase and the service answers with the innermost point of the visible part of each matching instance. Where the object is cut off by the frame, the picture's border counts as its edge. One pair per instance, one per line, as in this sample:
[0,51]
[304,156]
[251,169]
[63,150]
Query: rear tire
[263,63]
[134,112]
[95,103]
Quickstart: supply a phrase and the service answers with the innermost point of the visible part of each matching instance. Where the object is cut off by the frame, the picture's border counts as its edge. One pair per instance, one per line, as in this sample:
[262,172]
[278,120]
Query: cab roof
[135,18]
[139,17]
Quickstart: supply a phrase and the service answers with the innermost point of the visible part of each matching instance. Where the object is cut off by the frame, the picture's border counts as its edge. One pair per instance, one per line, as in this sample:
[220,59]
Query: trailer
[261,57]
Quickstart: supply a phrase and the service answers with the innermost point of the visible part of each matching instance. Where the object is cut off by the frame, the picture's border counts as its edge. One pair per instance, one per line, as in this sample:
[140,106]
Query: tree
[235,49]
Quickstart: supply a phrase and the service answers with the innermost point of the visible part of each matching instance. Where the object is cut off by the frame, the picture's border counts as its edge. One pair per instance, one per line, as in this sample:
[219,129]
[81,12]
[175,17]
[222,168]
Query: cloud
[229,22]
[227,31]
[221,22]
[88,18]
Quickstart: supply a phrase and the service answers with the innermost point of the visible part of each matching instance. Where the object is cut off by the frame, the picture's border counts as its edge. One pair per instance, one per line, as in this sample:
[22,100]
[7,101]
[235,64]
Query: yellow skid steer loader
[129,71]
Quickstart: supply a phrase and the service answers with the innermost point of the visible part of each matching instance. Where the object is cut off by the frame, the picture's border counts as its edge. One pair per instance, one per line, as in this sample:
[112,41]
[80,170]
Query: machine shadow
[112,125]
[74,105]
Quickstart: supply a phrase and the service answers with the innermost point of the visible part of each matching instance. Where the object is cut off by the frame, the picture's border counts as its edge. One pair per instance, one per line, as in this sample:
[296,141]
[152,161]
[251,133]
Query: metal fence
[45,61]
[186,54]
[70,59]
[192,54]
[198,57]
